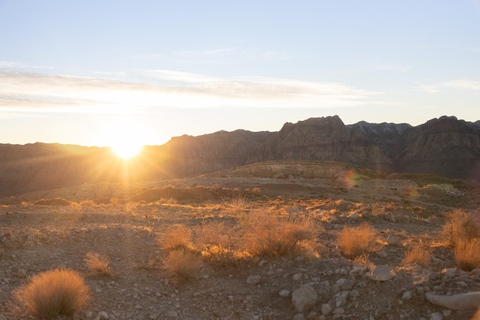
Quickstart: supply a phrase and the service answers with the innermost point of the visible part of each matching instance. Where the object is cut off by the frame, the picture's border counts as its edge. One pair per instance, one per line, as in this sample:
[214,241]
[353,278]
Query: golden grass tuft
[182,265]
[53,293]
[175,238]
[98,264]
[220,244]
[270,235]
[417,255]
[461,226]
[467,254]
[357,241]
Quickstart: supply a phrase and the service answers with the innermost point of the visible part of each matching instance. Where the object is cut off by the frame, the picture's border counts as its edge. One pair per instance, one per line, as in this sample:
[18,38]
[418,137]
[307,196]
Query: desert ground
[267,241]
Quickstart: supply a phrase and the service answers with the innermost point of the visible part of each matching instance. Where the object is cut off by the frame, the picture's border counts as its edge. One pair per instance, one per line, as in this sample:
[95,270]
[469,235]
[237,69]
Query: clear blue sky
[71,70]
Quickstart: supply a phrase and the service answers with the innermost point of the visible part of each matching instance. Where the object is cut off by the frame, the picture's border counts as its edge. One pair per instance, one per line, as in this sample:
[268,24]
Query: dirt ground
[405,212]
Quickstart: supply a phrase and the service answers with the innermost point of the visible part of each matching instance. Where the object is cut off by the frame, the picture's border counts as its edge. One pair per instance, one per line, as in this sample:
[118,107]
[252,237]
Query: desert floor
[405,211]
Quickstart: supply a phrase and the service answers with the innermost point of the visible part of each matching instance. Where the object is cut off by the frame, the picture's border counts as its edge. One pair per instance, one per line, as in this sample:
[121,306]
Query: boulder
[304,298]
[463,301]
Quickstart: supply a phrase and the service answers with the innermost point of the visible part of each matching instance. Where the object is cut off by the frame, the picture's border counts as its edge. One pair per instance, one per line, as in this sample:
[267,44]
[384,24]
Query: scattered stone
[450,272]
[354,216]
[463,301]
[171,314]
[262,263]
[298,316]
[304,298]
[2,317]
[326,308]
[297,276]
[446,313]
[102,315]
[284,293]
[254,279]
[407,295]
[339,311]
[21,274]
[381,273]
[394,241]
[436,316]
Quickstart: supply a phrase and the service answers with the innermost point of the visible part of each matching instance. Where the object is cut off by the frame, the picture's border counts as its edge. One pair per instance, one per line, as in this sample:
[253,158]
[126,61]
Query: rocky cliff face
[445,146]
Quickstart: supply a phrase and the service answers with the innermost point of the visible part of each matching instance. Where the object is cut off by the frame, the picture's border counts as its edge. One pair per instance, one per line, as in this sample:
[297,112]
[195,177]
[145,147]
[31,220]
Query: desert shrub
[461,226]
[53,293]
[98,264]
[53,202]
[418,255]
[220,244]
[182,265]
[467,254]
[269,235]
[177,237]
[357,241]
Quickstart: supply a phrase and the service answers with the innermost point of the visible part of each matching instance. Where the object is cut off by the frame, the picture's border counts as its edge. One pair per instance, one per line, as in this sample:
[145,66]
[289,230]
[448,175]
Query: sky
[92,72]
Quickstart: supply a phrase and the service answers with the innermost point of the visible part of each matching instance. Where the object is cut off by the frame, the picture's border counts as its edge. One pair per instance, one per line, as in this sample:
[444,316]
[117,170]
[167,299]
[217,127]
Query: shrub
[182,265]
[98,264]
[467,254]
[417,255]
[59,202]
[357,241]
[53,293]
[175,238]
[268,235]
[461,225]
[220,244]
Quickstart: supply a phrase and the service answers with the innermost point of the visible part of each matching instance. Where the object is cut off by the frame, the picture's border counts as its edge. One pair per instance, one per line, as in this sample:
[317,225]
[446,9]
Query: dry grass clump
[270,235]
[59,202]
[182,265]
[221,244]
[355,242]
[461,226]
[175,238]
[418,255]
[467,254]
[53,293]
[98,264]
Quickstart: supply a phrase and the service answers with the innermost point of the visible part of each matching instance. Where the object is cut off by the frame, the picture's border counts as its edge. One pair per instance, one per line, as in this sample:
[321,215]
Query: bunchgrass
[53,293]
[357,241]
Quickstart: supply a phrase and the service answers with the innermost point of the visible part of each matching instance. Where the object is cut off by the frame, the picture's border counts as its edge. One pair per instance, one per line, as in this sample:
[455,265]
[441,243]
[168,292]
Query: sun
[127,149]
[124,137]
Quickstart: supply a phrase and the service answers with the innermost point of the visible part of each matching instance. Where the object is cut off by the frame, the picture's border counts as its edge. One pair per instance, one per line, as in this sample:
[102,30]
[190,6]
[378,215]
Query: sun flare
[125,138]
[127,150]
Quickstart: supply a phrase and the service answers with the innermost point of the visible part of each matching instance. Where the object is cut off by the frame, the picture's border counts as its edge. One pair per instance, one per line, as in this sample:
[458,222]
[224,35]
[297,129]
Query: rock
[446,313]
[326,308]
[394,241]
[284,293]
[436,316]
[254,279]
[304,298]
[354,216]
[464,301]
[381,273]
[102,315]
[2,317]
[21,274]
[298,316]
[450,272]
[171,314]
[407,295]
[297,276]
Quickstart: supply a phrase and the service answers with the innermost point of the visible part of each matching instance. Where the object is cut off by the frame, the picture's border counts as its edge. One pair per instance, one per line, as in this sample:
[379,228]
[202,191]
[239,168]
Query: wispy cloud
[454,84]
[32,91]
[391,67]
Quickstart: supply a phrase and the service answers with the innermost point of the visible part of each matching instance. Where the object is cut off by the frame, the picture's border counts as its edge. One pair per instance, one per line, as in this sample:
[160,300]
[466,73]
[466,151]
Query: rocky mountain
[445,146]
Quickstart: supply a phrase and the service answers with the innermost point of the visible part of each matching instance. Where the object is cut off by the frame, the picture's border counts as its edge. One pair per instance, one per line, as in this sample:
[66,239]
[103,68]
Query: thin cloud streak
[178,89]
[454,84]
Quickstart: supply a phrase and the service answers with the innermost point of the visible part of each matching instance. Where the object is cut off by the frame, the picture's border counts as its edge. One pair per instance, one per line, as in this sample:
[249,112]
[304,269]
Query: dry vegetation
[196,246]
[357,241]
[53,293]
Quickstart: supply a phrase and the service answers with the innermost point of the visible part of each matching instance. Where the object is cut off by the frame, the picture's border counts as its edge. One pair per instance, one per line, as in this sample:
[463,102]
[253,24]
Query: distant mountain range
[445,146]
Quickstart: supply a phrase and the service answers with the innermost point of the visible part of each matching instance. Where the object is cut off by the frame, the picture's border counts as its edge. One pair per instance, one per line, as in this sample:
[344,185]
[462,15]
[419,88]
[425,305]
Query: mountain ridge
[444,146]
